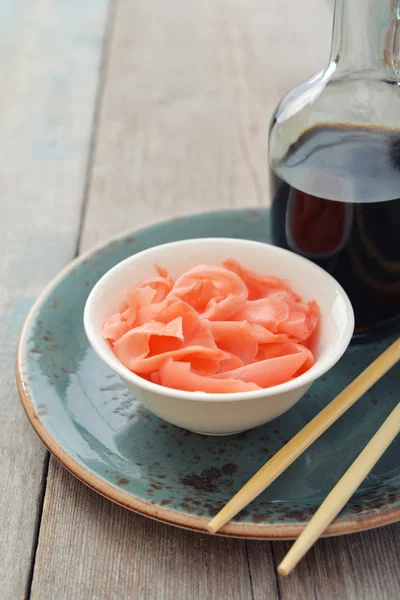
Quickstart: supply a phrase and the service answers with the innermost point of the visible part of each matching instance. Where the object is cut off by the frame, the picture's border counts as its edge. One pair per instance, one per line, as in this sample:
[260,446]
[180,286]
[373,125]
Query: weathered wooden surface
[189,91]
[49,71]
[363,566]
[184,104]
[104,551]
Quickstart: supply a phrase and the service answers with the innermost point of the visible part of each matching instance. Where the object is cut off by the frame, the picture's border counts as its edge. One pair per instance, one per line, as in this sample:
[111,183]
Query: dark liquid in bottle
[336,201]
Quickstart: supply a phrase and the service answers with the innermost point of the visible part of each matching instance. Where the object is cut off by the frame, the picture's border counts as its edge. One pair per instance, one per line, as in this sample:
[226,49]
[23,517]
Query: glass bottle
[334,153]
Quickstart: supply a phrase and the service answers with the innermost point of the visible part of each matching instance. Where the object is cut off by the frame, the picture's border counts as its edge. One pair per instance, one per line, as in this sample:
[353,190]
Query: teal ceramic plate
[98,431]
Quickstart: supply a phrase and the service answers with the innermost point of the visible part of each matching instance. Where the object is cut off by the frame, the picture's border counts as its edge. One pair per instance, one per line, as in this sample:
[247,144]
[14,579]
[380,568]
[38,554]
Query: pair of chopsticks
[350,481]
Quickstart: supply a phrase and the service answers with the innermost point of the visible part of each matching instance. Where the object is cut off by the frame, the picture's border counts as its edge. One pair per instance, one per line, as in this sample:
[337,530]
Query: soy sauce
[336,200]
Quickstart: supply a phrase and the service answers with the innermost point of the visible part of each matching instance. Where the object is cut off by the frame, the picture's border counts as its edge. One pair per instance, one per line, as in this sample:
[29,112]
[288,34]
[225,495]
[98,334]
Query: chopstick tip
[282,570]
[212,527]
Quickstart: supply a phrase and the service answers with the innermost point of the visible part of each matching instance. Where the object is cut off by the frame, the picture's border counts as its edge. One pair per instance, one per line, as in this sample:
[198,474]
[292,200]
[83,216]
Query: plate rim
[268,531]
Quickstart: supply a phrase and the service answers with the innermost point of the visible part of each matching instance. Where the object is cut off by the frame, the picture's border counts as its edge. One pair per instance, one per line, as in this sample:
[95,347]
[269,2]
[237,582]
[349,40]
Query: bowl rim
[307,378]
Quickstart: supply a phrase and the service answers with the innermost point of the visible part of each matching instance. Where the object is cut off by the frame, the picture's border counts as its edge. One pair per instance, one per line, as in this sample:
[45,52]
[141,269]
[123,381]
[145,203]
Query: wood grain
[48,72]
[362,566]
[189,91]
[91,548]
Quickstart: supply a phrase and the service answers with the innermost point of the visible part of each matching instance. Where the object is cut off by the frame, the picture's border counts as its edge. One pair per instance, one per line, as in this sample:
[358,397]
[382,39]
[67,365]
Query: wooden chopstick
[342,491]
[302,440]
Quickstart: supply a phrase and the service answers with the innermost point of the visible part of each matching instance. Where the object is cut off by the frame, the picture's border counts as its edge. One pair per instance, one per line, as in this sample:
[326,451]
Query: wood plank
[183,128]
[91,548]
[48,74]
[299,586]
[191,87]
[364,565]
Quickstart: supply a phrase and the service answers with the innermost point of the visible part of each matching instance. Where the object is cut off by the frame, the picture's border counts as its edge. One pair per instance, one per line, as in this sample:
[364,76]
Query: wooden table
[115,114]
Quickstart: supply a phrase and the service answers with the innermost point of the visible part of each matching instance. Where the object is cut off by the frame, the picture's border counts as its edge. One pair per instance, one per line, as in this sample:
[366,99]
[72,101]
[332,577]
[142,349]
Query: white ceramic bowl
[223,414]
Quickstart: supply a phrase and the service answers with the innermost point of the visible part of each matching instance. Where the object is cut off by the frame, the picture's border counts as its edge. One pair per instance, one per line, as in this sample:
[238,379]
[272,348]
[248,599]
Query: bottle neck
[366,37]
